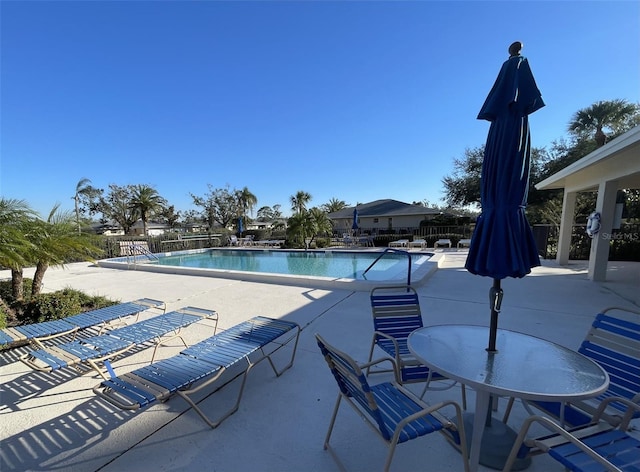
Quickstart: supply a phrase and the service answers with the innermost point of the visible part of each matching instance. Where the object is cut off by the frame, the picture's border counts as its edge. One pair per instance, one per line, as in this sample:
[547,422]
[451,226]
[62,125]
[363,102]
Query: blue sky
[355,100]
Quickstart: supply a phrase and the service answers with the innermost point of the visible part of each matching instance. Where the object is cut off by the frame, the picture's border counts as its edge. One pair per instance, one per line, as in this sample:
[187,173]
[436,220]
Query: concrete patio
[54,422]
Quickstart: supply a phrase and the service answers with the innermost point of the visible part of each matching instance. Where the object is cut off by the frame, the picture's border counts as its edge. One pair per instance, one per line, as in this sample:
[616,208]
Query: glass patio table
[523,366]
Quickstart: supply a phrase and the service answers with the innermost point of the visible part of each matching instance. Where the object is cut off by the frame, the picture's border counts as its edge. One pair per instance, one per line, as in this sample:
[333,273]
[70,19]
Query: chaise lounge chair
[442,243]
[419,243]
[203,364]
[38,332]
[399,243]
[101,348]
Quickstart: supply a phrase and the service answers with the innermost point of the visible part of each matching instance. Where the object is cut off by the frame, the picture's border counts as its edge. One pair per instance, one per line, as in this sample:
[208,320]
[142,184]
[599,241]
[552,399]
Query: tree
[463,187]
[267,213]
[614,116]
[85,194]
[57,243]
[246,202]
[299,201]
[334,205]
[15,248]
[146,202]
[322,224]
[300,227]
[219,205]
[117,206]
[171,216]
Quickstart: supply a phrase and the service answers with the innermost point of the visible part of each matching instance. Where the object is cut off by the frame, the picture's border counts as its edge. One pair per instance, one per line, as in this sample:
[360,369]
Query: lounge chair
[464,243]
[399,243]
[419,243]
[597,446]
[442,243]
[99,349]
[396,314]
[614,343]
[202,365]
[392,411]
[39,332]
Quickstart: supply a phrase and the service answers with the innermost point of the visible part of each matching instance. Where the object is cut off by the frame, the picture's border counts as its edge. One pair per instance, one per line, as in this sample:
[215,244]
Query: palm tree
[299,201]
[56,243]
[83,187]
[246,201]
[334,205]
[322,224]
[605,114]
[147,202]
[15,247]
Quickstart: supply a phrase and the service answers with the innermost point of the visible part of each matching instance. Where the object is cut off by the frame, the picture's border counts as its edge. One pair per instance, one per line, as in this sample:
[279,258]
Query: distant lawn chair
[419,243]
[37,333]
[597,446]
[442,243]
[614,343]
[464,243]
[399,243]
[396,314]
[392,411]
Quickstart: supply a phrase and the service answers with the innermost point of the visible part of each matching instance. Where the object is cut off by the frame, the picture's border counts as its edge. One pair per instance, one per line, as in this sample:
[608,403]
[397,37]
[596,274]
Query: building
[383,215]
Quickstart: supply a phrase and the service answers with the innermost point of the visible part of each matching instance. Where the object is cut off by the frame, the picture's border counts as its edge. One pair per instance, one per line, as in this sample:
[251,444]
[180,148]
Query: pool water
[331,269]
[314,263]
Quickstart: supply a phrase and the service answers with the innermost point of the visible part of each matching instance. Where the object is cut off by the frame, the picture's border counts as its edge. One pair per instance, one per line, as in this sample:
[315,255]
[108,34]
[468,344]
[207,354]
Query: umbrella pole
[495,299]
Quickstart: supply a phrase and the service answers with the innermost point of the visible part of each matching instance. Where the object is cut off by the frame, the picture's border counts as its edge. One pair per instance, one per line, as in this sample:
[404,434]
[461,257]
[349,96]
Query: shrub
[52,306]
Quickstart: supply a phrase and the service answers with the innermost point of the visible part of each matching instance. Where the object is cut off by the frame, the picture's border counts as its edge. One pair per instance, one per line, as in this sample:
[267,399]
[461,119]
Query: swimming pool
[315,268]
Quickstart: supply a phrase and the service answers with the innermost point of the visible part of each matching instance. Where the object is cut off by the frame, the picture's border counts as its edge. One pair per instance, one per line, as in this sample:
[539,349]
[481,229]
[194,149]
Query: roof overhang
[617,160]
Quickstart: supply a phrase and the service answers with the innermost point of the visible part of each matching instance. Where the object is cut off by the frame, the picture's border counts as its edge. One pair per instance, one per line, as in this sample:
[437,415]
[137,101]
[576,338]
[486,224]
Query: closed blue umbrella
[240,227]
[502,244]
[354,225]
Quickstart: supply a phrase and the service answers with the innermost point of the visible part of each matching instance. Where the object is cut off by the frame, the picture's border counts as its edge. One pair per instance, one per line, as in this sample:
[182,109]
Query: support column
[599,255]
[566,227]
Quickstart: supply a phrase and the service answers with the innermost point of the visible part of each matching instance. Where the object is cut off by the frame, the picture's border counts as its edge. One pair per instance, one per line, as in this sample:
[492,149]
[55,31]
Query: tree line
[588,129]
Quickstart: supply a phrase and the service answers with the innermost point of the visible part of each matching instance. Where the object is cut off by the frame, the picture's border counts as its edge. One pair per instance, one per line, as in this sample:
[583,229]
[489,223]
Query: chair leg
[333,421]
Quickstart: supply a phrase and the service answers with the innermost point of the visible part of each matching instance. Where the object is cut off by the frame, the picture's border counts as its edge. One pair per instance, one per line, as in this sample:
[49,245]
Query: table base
[497,441]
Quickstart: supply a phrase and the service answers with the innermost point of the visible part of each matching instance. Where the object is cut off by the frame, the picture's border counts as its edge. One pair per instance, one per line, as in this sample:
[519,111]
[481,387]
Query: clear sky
[355,100]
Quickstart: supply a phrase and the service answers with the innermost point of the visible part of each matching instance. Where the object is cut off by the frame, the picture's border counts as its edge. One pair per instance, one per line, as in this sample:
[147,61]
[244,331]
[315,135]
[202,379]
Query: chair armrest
[626,419]
[378,361]
[390,338]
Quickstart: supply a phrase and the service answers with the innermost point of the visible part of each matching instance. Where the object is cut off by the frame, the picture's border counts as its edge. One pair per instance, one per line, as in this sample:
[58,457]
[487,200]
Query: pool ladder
[396,251]
[138,250]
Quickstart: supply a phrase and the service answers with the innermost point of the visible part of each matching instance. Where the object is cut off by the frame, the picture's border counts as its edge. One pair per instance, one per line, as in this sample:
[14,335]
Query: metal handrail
[398,251]
[143,252]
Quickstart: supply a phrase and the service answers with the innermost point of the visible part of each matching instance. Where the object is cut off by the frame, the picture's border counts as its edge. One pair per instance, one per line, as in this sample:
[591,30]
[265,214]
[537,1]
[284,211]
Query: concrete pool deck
[54,422]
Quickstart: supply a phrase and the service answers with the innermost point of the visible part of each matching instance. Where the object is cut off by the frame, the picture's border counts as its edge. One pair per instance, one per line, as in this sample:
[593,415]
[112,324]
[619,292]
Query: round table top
[523,366]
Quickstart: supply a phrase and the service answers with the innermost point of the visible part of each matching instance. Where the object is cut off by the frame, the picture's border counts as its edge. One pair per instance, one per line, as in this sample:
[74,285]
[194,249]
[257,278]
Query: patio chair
[442,243]
[399,243]
[614,343]
[464,243]
[396,314]
[419,243]
[99,349]
[37,333]
[391,410]
[597,446]
[242,346]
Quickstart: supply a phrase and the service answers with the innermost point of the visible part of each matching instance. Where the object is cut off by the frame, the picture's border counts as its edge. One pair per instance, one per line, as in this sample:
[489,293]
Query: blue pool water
[314,263]
[316,268]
